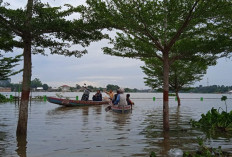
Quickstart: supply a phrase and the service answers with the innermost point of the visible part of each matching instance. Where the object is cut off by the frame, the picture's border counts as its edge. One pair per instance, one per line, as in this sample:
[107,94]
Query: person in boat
[115,96]
[128,100]
[97,96]
[85,95]
[121,98]
[110,93]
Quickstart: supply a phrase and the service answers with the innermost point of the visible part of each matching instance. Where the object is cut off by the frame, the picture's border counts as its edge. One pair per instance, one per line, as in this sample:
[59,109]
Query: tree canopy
[183,28]
[6,66]
[183,73]
[49,28]
[36,83]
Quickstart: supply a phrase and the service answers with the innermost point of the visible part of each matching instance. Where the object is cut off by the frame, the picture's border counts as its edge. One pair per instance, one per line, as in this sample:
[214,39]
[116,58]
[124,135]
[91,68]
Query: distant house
[65,88]
[2,89]
[40,89]
[230,92]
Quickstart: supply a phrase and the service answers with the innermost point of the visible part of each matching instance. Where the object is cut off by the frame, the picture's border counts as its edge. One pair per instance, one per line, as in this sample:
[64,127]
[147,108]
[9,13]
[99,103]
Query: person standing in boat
[97,96]
[121,98]
[85,95]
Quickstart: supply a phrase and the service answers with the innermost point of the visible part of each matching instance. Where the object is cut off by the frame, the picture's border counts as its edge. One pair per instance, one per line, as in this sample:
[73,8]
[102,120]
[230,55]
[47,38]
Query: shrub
[213,120]
[3,98]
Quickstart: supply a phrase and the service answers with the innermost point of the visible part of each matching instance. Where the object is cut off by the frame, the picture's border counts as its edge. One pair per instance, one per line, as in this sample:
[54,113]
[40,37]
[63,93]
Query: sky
[99,70]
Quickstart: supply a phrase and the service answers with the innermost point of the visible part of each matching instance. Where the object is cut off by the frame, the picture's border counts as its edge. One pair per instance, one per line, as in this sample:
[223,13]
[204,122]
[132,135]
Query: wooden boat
[121,109]
[70,103]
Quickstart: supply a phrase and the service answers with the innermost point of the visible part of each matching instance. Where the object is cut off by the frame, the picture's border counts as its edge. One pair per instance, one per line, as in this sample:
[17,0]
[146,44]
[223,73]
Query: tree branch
[154,54]
[181,29]
[11,26]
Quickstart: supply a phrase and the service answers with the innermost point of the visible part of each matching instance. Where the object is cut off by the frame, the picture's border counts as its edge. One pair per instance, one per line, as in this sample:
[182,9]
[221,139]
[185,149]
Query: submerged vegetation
[205,151]
[214,121]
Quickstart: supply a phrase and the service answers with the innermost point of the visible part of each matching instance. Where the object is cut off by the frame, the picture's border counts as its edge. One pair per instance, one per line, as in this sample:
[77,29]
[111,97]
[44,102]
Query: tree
[183,73]
[45,87]
[112,87]
[6,66]
[40,26]
[78,86]
[168,30]
[36,83]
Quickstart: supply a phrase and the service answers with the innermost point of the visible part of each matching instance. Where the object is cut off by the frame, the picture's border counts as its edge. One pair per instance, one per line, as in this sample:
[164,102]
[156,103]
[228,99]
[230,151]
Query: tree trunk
[27,38]
[165,92]
[178,98]
[23,110]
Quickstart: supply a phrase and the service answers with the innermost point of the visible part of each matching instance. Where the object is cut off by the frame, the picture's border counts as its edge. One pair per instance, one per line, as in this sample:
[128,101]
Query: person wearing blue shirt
[121,98]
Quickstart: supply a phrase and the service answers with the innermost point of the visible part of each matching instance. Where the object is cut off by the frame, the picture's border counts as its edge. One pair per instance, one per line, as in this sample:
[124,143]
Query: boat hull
[71,103]
[121,109]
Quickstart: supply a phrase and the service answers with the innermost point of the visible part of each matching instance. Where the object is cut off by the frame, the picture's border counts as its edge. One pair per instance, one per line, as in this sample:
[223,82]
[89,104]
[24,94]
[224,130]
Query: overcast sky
[98,69]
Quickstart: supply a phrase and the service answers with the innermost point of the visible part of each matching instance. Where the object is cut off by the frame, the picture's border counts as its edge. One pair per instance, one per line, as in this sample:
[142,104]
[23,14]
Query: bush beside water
[3,98]
[214,121]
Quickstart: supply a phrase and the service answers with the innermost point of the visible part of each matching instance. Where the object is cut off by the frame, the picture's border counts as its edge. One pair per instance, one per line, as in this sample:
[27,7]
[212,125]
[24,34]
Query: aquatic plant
[3,98]
[205,151]
[38,98]
[152,154]
[224,98]
[171,94]
[59,95]
[214,120]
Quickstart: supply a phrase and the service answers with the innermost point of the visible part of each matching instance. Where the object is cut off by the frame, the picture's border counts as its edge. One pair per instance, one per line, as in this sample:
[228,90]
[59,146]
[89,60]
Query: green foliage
[171,94]
[205,151]
[213,121]
[49,28]
[181,28]
[152,154]
[3,98]
[183,73]
[223,98]
[38,98]
[128,90]
[36,83]
[78,86]
[6,66]
[45,87]
[112,87]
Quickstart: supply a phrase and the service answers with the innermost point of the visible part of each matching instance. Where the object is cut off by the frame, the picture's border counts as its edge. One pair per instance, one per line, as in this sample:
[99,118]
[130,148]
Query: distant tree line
[18,86]
[211,89]
[200,89]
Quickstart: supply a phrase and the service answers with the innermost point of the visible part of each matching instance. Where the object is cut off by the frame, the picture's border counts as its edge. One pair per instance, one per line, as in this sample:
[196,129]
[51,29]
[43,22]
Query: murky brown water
[55,131]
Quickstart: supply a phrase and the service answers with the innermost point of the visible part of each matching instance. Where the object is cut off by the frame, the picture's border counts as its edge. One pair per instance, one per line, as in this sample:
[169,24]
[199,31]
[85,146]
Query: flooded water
[55,131]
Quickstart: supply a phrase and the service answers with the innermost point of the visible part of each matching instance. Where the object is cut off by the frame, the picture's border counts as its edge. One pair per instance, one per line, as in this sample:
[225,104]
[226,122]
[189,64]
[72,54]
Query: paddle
[108,108]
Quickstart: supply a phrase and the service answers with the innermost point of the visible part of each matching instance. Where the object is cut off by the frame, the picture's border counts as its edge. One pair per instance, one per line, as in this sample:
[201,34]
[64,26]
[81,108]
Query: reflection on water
[21,146]
[181,135]
[55,131]
[2,142]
